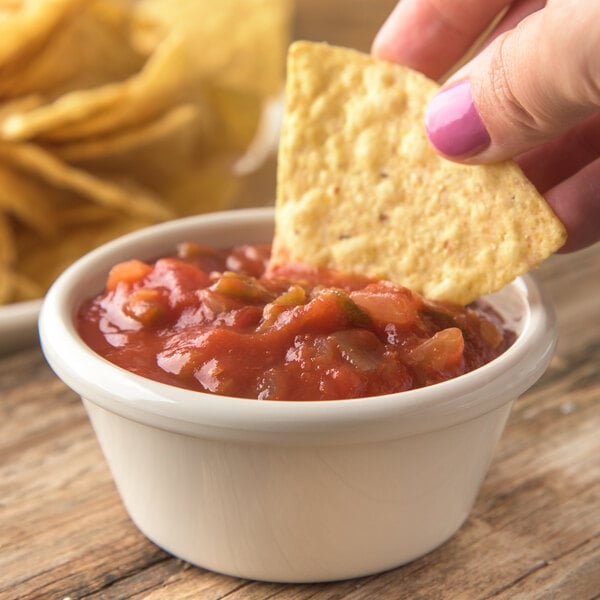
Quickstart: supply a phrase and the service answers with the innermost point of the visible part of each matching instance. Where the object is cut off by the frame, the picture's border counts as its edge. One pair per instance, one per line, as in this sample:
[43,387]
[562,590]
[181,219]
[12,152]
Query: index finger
[433,35]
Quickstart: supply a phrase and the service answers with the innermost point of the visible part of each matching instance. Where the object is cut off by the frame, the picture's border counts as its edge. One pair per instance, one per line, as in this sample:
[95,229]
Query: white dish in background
[18,326]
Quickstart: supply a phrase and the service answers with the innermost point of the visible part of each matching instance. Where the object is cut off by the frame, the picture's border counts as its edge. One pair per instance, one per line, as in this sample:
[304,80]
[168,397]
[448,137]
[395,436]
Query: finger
[576,202]
[528,86]
[432,35]
[516,13]
[549,164]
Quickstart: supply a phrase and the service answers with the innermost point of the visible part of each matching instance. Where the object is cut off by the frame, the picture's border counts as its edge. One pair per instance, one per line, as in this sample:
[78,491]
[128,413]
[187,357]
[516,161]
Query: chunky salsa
[216,321]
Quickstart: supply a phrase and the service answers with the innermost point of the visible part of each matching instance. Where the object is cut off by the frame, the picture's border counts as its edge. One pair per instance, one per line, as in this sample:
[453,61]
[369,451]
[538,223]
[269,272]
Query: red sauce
[213,321]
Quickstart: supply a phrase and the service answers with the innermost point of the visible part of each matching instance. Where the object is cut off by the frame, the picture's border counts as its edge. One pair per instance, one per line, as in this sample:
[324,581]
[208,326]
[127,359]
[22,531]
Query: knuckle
[506,93]
[590,78]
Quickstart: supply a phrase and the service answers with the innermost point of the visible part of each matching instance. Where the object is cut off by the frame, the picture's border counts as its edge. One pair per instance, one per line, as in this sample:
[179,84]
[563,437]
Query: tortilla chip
[38,265]
[7,243]
[25,28]
[360,188]
[235,52]
[124,197]
[179,121]
[6,291]
[17,105]
[100,110]
[22,288]
[242,44]
[236,117]
[89,48]
[7,257]
[26,200]
[209,186]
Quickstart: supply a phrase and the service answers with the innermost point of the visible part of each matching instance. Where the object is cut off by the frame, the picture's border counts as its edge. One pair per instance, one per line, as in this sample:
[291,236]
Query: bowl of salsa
[290,425]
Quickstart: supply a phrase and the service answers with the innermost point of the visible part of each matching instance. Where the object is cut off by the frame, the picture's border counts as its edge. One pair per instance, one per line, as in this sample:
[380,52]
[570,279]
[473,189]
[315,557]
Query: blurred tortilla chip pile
[116,114]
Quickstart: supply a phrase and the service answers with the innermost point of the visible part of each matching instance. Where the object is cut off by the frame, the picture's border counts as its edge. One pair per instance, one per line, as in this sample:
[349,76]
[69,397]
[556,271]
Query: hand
[532,92]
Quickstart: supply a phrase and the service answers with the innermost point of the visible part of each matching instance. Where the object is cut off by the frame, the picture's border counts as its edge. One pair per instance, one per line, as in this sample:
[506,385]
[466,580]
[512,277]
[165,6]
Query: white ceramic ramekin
[290,491]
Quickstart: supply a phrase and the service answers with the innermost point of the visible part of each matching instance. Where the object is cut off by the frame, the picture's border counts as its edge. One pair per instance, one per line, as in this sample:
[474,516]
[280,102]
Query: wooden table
[534,531]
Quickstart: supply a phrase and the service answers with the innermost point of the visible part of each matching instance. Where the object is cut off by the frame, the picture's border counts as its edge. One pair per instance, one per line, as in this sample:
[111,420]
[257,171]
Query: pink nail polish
[453,124]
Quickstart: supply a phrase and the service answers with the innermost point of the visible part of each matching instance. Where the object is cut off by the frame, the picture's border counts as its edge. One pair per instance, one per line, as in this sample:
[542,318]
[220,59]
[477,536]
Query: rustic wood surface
[534,531]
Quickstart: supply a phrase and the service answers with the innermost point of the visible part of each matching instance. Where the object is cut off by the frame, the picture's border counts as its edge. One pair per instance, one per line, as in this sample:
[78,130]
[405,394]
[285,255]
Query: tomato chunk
[440,352]
[387,303]
[129,272]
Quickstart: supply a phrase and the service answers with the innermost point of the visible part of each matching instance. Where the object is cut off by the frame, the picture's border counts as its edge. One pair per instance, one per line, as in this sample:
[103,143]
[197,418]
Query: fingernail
[453,124]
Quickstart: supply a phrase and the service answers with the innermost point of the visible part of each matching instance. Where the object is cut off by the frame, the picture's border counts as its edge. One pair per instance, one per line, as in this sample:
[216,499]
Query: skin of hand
[532,91]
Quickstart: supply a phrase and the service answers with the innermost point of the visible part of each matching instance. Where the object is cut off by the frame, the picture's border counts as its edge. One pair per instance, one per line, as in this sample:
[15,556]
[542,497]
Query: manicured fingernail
[453,124]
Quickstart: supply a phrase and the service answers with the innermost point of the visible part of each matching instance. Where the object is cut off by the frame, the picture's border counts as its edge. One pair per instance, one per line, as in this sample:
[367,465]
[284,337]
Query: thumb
[528,86]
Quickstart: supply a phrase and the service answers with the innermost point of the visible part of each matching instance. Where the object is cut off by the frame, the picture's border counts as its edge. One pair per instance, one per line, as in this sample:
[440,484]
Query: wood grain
[534,531]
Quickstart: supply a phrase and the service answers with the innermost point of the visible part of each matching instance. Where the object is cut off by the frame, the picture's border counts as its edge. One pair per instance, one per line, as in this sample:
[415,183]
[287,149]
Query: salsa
[217,321]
